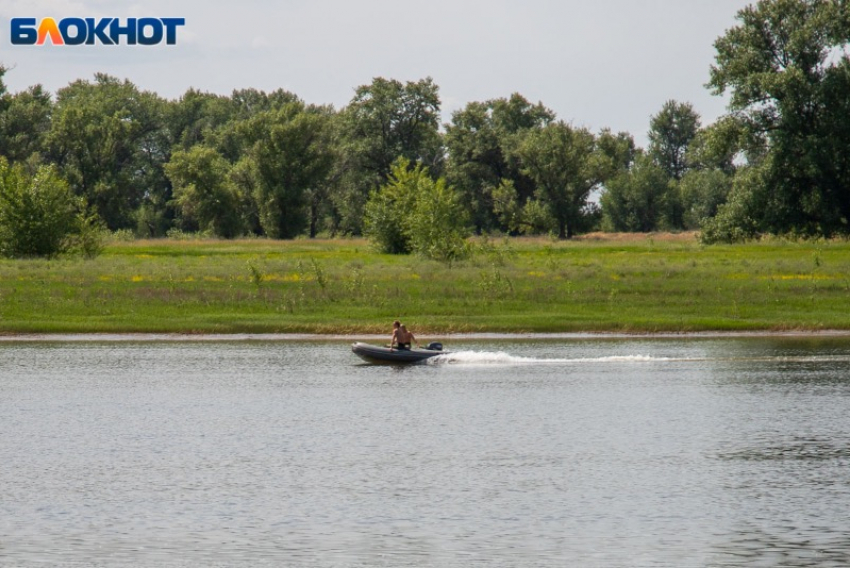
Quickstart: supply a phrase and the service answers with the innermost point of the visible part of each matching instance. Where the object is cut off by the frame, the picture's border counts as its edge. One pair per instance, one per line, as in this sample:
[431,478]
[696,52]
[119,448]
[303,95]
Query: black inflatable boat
[379,354]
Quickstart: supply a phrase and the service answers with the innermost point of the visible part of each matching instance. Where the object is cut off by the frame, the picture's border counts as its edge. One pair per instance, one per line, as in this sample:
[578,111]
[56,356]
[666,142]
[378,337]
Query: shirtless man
[401,336]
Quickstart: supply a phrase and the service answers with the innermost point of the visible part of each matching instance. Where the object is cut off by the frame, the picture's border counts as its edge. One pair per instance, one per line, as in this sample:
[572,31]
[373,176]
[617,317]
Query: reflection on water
[792,547]
[802,448]
[793,490]
[592,452]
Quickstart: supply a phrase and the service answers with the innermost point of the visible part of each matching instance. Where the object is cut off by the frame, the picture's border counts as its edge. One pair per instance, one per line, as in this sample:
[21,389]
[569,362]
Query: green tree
[788,76]
[414,213]
[390,207]
[438,227]
[24,123]
[204,191]
[38,214]
[671,132]
[480,140]
[384,121]
[740,217]
[290,155]
[196,116]
[387,120]
[109,140]
[232,139]
[565,166]
[250,102]
[638,200]
[719,145]
[702,192]
[532,217]
[617,152]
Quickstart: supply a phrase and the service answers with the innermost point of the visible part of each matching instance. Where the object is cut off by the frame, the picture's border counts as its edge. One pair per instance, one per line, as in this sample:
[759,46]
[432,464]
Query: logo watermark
[95,31]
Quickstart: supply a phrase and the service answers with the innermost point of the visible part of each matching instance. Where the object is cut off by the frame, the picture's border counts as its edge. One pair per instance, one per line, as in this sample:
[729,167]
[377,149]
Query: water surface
[585,452]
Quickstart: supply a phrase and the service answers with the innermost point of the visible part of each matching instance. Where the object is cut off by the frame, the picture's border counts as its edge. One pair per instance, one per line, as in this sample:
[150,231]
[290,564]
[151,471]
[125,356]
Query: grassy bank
[606,283]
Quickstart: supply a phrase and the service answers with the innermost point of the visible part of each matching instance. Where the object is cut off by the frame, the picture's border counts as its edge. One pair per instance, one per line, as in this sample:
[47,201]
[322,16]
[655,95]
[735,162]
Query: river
[585,451]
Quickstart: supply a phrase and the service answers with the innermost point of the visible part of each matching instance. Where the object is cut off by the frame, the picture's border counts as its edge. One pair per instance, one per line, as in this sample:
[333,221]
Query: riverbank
[374,337]
[600,283]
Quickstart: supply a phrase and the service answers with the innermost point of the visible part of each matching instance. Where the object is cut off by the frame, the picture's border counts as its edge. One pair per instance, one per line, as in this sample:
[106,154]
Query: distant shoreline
[307,337]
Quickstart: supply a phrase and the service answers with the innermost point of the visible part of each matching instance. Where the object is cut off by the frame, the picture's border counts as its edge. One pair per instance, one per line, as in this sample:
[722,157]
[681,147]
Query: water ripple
[600,453]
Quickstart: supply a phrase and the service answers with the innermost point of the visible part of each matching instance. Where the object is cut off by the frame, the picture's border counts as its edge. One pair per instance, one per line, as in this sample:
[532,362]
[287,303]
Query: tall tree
[290,155]
[204,191]
[640,199]
[196,115]
[670,133]
[617,152]
[385,120]
[24,123]
[788,74]
[565,167]
[109,141]
[480,140]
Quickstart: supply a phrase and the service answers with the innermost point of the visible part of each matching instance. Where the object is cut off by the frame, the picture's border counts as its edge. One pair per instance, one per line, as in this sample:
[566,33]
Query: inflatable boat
[379,354]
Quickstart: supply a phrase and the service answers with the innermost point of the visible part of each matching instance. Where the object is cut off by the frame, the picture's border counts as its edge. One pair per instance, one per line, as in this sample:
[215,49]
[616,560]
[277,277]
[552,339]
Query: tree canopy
[270,164]
[787,71]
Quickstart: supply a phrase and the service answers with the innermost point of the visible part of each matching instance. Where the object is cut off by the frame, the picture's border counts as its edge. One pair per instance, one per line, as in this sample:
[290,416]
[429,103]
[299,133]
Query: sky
[596,63]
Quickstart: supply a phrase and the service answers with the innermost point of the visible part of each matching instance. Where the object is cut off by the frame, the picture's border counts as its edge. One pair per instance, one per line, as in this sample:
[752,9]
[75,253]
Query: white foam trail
[483,358]
[502,358]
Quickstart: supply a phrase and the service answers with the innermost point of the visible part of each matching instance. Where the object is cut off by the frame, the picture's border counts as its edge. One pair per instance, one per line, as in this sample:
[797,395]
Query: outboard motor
[434,346]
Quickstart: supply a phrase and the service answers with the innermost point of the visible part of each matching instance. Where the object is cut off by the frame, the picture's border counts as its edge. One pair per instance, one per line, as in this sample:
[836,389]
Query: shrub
[90,235]
[389,207]
[702,194]
[38,213]
[736,218]
[438,226]
[414,213]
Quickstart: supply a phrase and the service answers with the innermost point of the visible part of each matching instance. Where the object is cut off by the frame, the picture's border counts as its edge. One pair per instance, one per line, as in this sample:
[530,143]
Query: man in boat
[401,336]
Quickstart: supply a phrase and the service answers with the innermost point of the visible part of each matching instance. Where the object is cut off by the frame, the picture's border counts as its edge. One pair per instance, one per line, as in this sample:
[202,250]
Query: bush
[702,194]
[414,213]
[123,236]
[438,227]
[389,207]
[735,221]
[90,235]
[38,214]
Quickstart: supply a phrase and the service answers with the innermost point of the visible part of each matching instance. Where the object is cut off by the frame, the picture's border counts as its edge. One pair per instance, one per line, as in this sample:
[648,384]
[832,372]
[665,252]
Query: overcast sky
[596,63]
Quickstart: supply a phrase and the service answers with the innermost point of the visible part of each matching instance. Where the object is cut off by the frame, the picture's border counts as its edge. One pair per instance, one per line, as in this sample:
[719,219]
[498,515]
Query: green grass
[618,283]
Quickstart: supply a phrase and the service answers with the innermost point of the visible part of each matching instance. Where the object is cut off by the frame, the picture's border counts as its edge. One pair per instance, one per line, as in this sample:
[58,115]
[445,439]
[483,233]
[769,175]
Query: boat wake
[502,358]
[484,358]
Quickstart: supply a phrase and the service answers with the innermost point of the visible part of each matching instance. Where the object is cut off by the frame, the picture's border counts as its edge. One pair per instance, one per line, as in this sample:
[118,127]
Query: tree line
[271,164]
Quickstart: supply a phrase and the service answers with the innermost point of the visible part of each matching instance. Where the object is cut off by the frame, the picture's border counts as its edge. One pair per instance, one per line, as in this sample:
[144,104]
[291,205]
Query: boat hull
[378,354]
